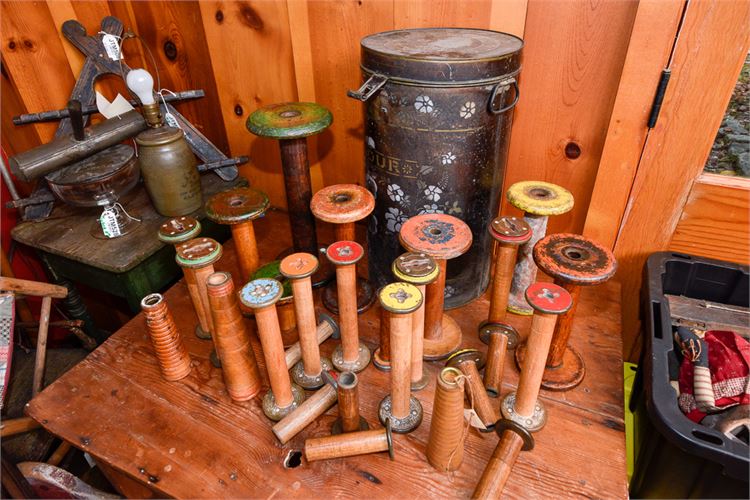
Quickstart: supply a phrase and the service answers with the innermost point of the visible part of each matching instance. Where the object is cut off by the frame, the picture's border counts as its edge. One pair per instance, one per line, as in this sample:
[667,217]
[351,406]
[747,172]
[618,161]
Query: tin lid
[158,136]
[442,55]
[96,167]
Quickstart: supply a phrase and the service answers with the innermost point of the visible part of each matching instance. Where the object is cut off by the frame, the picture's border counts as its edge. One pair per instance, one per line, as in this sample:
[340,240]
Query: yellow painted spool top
[540,198]
[400,298]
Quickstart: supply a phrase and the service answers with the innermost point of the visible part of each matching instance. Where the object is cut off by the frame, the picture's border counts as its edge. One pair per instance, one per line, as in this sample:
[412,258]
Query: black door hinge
[661,89]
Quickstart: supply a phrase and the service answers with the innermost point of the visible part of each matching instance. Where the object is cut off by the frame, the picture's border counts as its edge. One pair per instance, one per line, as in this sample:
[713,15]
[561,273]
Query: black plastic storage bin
[678,458]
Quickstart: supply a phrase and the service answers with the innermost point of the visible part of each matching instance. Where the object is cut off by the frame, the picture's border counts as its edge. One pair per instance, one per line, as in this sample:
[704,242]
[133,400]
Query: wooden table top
[67,231]
[190,440]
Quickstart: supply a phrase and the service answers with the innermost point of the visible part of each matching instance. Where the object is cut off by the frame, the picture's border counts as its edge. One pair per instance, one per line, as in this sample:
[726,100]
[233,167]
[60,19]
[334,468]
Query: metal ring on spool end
[400,425]
[306,381]
[276,413]
[363,359]
[505,424]
[533,423]
[486,329]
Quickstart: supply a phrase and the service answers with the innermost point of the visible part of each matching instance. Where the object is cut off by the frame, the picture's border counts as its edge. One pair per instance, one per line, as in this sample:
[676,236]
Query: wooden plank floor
[188,439]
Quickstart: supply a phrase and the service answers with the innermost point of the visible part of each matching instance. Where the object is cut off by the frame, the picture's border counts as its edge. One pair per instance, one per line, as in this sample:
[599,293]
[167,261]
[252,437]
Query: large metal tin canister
[439,103]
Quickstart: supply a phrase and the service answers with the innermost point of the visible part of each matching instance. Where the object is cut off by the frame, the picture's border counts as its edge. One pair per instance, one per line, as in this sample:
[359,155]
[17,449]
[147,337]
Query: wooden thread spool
[348,396]
[469,362]
[399,407]
[493,371]
[285,305]
[420,270]
[291,124]
[173,232]
[306,413]
[232,341]
[342,205]
[238,207]
[538,200]
[326,328]
[381,358]
[442,237]
[199,255]
[573,261]
[174,360]
[350,444]
[522,413]
[445,446]
[261,295]
[298,268]
[351,355]
[509,232]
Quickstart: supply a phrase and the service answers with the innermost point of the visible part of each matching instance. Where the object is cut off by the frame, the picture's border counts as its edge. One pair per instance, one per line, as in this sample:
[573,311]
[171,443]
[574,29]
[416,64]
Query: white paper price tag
[473,419]
[108,221]
[171,120]
[112,46]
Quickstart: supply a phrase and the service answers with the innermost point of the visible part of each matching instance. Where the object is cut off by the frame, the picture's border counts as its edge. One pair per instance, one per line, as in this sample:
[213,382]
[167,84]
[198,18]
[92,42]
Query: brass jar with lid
[169,171]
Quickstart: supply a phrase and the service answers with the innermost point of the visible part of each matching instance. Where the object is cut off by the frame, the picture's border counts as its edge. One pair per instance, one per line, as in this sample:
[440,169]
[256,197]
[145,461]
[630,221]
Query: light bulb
[141,83]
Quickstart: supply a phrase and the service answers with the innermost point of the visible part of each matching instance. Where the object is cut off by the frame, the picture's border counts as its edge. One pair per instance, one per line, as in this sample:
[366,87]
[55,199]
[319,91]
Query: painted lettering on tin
[394,166]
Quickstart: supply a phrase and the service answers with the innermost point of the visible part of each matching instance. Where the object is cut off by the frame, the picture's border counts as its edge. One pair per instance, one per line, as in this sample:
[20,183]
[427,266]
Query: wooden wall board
[712,47]
[335,31]
[447,13]
[14,139]
[572,61]
[651,43]
[251,55]
[29,43]
[509,16]
[166,24]
[715,220]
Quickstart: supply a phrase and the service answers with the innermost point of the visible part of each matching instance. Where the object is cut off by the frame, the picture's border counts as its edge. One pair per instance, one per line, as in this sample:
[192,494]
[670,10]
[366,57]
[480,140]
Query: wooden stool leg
[41,346]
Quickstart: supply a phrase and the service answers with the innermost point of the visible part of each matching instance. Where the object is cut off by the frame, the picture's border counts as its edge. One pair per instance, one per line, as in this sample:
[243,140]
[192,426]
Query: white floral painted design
[447,158]
[467,110]
[372,185]
[449,291]
[433,193]
[423,104]
[370,142]
[452,208]
[394,219]
[395,193]
[430,209]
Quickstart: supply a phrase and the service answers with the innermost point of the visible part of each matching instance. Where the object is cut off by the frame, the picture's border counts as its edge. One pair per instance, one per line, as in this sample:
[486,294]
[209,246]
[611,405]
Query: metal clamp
[372,85]
[503,87]
[505,424]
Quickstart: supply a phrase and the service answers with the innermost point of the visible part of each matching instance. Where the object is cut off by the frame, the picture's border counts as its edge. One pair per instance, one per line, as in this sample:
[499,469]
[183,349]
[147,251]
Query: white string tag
[112,46]
[108,221]
[169,117]
[473,419]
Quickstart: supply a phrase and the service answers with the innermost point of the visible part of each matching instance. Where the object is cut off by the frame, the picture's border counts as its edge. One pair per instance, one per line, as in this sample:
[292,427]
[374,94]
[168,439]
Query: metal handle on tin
[502,87]
[368,88]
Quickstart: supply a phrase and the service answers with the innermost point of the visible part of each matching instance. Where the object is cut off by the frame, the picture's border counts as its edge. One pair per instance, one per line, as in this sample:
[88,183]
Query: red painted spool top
[342,203]
[510,230]
[345,252]
[438,235]
[574,259]
[548,298]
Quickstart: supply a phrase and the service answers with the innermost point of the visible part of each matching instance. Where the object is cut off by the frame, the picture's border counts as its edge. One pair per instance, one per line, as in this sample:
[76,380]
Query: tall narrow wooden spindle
[298,267]
[400,407]
[238,207]
[173,232]
[381,358]
[342,205]
[442,237]
[351,355]
[326,329]
[509,232]
[538,200]
[232,340]
[522,412]
[573,261]
[261,295]
[493,371]
[420,270]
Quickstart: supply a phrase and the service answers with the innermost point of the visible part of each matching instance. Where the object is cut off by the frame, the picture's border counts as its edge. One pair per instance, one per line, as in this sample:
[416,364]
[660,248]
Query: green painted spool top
[290,120]
[271,270]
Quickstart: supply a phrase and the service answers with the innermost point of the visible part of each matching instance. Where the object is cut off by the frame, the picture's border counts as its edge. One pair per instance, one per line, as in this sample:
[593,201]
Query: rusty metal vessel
[439,103]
